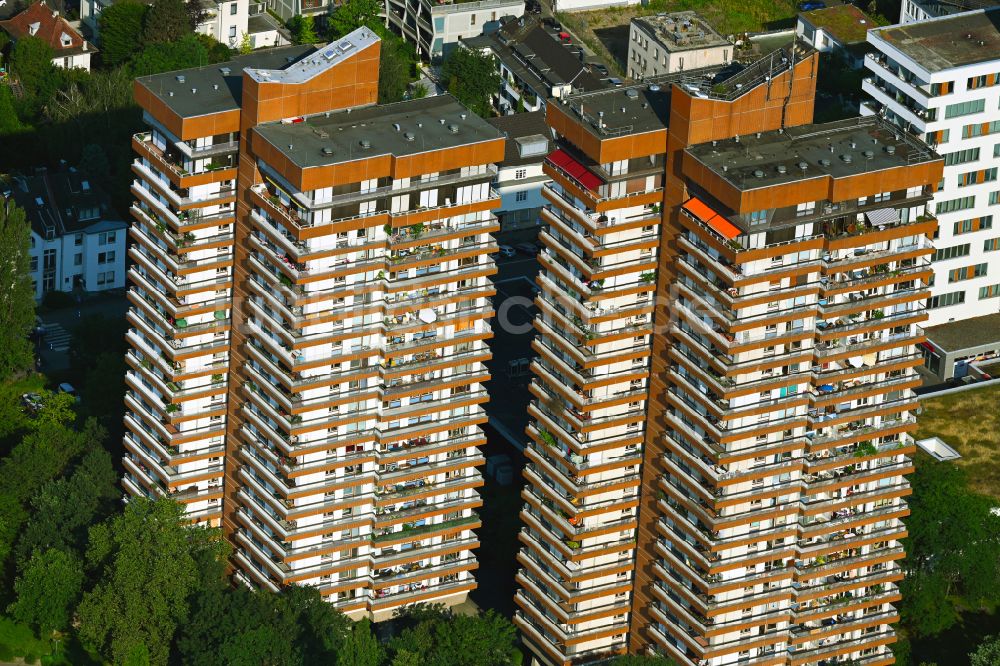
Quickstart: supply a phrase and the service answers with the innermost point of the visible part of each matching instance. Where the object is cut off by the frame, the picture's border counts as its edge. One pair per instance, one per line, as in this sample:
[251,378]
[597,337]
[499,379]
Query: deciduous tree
[149,561]
[47,590]
[17,295]
[987,654]
[303,29]
[166,22]
[121,25]
[472,78]
[360,647]
[351,15]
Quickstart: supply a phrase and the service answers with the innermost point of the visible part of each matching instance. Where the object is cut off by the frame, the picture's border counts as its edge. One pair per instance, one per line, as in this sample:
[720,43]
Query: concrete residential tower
[310,292]
[728,319]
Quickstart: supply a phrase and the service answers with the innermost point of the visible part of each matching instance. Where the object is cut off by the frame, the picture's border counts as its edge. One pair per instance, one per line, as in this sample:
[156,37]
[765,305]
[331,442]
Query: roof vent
[853,145]
[180,78]
[891,150]
[408,136]
[868,154]
[824,162]
[194,91]
[225,71]
[464,116]
[365,144]
[215,86]
[632,93]
[846,157]
[441,121]
[757,173]
[170,93]
[453,128]
[327,150]
[654,88]
[782,168]
[395,126]
[803,165]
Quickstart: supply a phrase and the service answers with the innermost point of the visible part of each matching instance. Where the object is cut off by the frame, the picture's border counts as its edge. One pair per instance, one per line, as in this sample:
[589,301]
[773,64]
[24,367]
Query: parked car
[527,248]
[507,251]
[615,81]
[810,5]
[550,22]
[599,68]
[68,388]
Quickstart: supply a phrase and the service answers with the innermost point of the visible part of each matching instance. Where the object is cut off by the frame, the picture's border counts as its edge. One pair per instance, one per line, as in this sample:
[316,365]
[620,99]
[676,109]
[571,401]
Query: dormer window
[65,40]
[33,28]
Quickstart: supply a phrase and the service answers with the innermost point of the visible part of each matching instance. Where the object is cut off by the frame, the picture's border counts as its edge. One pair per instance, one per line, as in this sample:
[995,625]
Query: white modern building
[520,178]
[225,21]
[940,79]
[912,11]
[435,28]
[674,42]
[77,239]
[840,30]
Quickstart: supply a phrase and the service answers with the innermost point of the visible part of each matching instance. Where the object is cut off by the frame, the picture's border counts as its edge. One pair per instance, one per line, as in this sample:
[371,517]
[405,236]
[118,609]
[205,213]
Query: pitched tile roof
[40,20]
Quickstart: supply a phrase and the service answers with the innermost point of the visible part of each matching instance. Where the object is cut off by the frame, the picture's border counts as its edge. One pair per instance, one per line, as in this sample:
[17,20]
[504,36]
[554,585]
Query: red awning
[701,211]
[579,172]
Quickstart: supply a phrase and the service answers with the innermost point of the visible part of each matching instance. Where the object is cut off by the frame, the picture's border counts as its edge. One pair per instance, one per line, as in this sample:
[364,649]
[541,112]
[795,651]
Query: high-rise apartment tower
[728,319]
[310,290]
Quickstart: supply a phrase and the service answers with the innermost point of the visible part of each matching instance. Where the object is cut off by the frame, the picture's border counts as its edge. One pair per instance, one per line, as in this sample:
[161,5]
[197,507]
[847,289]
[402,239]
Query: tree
[472,78]
[17,295]
[988,652]
[303,29]
[397,65]
[188,51]
[149,562]
[166,22]
[642,660]
[351,15]
[246,44]
[360,647]
[121,26]
[9,121]
[65,508]
[31,61]
[196,13]
[48,590]
[437,637]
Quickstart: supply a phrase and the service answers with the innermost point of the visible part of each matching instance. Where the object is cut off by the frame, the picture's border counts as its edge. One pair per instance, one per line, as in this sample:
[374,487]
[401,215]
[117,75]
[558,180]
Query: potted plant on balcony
[648,276]
[172,408]
[417,229]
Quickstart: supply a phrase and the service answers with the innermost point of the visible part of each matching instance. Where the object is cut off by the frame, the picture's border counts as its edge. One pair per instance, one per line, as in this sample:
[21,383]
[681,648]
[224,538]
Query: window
[106,278]
[976,177]
[232,32]
[980,129]
[951,252]
[964,108]
[991,244]
[472,18]
[962,203]
[234,9]
[521,196]
[105,238]
[78,259]
[946,300]
[994,198]
[106,257]
[34,264]
[966,273]
[757,217]
[805,208]
[991,291]
[961,156]
[520,173]
[982,81]
[78,239]
[975,224]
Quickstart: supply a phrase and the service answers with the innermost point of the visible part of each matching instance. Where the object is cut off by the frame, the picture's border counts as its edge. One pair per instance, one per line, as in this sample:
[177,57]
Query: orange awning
[699,210]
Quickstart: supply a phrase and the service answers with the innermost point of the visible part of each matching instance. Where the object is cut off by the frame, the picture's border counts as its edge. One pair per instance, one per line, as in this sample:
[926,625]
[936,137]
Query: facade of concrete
[310,296]
[674,42]
[520,177]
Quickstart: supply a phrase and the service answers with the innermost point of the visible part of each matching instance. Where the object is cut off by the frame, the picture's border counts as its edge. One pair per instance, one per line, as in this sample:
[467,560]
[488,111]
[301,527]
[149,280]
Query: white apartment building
[435,27]
[940,79]
[77,240]
[673,42]
[520,177]
[913,11]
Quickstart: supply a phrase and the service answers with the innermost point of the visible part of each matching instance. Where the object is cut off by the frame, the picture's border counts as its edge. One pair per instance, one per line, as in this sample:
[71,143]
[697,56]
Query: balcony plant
[877,314]
[865,449]
[547,437]
[648,276]
[172,408]
[217,379]
[417,229]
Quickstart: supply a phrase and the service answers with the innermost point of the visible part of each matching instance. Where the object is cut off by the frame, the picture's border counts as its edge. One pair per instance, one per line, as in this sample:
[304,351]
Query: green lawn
[18,642]
[969,422]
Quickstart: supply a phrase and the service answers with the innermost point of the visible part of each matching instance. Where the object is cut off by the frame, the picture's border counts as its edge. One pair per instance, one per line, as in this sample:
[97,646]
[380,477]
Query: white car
[507,251]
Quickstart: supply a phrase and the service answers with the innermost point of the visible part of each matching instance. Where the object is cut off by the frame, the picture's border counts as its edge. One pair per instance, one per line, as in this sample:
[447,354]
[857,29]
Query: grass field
[969,422]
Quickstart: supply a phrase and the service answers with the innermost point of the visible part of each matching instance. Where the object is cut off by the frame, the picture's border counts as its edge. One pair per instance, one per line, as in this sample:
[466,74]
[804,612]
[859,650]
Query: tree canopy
[47,590]
[165,22]
[987,654]
[472,78]
[17,295]
[121,25]
[303,29]
[351,15]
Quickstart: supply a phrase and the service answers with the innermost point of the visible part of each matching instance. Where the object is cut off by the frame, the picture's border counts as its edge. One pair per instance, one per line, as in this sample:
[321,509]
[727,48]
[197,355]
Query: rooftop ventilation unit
[180,78]
[782,168]
[891,150]
[395,126]
[365,144]
[803,165]
[824,162]
[757,173]
[225,71]
[632,93]
[846,157]
[868,154]
[453,129]
[654,88]
[327,151]
[408,136]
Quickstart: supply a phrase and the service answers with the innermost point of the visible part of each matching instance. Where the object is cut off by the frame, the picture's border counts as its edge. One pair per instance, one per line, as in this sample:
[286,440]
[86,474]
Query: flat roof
[400,129]
[951,41]
[523,130]
[965,334]
[309,66]
[839,149]
[681,31]
[218,87]
[846,23]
